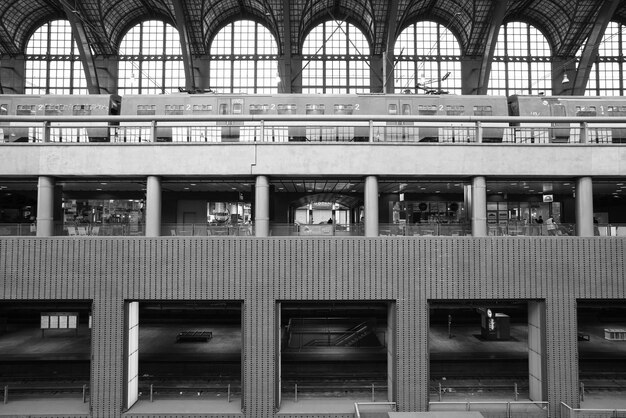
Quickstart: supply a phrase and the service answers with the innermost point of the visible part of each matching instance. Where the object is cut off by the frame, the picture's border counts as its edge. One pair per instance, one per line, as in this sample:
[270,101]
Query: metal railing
[375,406]
[496,409]
[502,388]
[154,391]
[569,412]
[35,391]
[513,228]
[324,390]
[314,128]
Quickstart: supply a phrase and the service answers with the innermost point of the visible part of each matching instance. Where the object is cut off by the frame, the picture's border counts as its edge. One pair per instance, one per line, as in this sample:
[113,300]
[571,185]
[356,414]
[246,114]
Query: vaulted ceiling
[565,23]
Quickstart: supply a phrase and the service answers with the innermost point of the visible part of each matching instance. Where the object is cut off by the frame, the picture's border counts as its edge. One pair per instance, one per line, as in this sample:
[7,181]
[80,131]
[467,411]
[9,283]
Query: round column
[584,207]
[479,207]
[262,206]
[45,207]
[153,207]
[371,206]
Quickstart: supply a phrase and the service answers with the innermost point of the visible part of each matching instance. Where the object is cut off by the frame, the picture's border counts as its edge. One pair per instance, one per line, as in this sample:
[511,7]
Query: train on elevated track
[222,128]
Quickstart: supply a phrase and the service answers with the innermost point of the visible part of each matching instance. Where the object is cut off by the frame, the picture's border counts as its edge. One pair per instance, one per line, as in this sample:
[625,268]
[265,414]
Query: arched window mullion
[424,50]
[522,62]
[334,70]
[49,61]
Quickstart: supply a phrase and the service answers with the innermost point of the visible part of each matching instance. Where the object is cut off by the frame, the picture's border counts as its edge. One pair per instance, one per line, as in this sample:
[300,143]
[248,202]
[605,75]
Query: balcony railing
[310,230]
[314,128]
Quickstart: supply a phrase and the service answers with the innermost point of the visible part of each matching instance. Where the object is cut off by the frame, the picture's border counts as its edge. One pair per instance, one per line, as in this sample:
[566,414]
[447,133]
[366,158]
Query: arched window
[427,57]
[335,60]
[609,71]
[52,61]
[151,60]
[521,63]
[244,59]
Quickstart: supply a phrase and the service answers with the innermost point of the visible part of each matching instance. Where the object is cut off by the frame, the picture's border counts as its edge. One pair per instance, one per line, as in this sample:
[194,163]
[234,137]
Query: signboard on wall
[58,320]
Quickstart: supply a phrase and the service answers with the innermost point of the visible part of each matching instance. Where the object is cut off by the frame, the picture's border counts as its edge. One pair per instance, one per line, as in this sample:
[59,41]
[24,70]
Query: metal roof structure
[100,25]
[566,24]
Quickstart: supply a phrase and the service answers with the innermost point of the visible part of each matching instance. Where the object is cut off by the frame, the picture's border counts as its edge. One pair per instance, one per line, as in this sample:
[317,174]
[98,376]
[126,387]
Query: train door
[618,135]
[344,133]
[560,131]
[227,107]
[392,132]
[409,131]
[320,132]
[429,134]
[4,111]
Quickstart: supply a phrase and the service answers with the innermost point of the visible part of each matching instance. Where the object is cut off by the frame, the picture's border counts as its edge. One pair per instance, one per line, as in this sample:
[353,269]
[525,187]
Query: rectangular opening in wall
[186,356]
[333,354]
[490,352]
[45,357]
[601,336]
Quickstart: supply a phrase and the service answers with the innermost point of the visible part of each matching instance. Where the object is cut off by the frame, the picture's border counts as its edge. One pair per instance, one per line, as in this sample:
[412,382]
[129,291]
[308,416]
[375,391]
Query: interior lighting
[565,79]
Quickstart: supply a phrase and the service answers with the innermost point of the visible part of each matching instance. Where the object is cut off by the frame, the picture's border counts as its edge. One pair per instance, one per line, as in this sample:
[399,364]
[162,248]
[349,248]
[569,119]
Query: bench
[194,336]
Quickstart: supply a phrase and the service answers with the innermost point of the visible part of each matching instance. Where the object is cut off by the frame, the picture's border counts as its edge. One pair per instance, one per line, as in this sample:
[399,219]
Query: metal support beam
[389,64]
[86,57]
[183,32]
[590,52]
[286,69]
[498,10]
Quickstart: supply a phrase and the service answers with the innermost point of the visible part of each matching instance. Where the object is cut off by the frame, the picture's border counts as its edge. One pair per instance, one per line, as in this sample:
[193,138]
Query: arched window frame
[608,72]
[427,69]
[241,64]
[522,62]
[53,67]
[333,69]
[150,59]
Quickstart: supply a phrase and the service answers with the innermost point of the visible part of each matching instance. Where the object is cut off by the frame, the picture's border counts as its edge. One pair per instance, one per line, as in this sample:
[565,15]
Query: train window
[406,109]
[202,109]
[392,109]
[616,110]
[51,110]
[174,109]
[146,109]
[427,109]
[25,110]
[259,109]
[237,108]
[287,109]
[483,111]
[223,109]
[81,110]
[452,110]
[4,109]
[586,111]
[315,109]
[343,109]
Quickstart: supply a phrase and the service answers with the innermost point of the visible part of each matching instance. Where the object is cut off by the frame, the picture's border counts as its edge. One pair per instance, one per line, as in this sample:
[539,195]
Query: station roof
[565,23]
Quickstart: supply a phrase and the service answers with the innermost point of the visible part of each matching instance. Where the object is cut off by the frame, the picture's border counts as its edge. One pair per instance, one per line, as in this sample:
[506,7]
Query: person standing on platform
[551,226]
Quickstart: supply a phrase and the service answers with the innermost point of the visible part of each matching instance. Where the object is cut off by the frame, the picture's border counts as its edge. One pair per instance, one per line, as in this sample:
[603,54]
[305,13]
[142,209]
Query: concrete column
[45,207]
[537,351]
[371,206]
[584,207]
[153,207]
[479,207]
[262,207]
